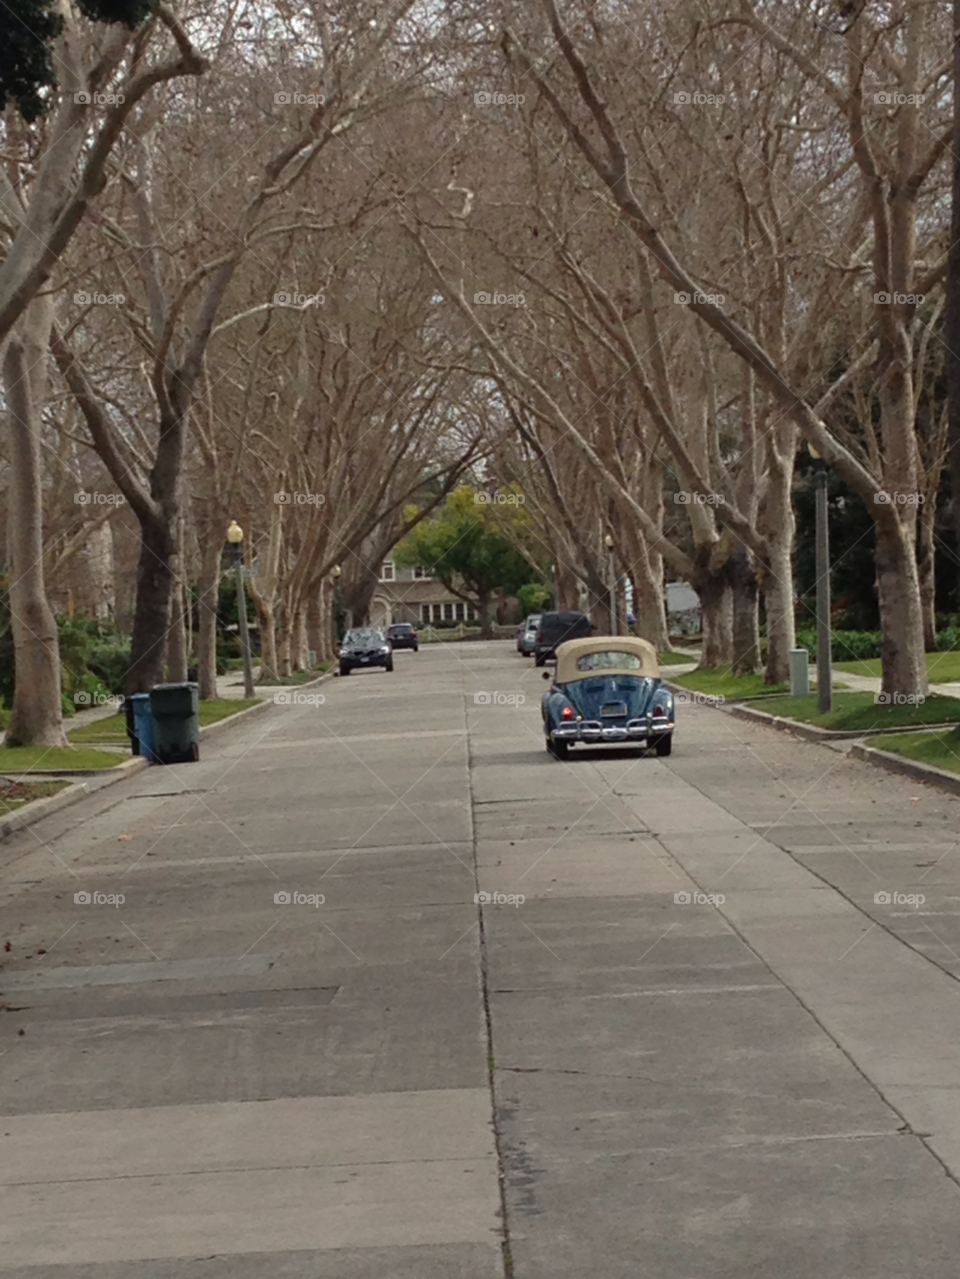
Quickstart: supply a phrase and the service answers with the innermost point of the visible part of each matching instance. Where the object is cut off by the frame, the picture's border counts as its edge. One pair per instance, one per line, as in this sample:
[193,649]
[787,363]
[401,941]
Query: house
[412,595]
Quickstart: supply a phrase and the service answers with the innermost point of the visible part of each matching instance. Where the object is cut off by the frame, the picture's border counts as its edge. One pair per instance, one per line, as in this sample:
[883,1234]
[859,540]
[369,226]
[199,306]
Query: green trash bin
[176,722]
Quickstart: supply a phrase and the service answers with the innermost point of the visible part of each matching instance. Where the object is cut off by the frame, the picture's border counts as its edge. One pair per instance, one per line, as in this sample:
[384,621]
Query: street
[579,1075]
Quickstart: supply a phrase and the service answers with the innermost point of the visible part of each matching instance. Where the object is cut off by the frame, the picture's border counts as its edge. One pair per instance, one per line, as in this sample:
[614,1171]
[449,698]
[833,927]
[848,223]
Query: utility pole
[824,671]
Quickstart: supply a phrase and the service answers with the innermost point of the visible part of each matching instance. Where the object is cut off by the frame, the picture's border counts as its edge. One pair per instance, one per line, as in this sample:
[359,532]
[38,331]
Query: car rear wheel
[665,745]
[388,666]
[560,749]
[344,670]
[538,659]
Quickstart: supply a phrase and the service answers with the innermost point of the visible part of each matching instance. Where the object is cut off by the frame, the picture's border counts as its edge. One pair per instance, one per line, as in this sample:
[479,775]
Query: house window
[386,573]
[460,612]
[425,614]
[471,613]
[419,573]
[448,612]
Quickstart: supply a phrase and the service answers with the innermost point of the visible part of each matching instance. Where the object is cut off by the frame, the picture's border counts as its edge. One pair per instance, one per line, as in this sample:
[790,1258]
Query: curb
[38,809]
[814,734]
[908,767]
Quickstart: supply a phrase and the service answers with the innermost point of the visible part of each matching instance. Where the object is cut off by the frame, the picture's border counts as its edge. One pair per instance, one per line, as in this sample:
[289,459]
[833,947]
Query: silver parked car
[527,637]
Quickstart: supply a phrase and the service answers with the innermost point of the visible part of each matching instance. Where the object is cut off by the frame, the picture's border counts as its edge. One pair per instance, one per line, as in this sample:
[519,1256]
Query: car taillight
[567,712]
[658,710]
[539,637]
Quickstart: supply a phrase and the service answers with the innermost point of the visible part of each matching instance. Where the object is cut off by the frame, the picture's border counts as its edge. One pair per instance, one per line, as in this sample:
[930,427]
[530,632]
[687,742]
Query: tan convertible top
[569,653]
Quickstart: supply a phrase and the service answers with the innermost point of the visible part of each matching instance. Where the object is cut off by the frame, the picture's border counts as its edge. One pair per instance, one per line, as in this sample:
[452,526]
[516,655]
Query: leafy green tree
[534,597]
[462,543]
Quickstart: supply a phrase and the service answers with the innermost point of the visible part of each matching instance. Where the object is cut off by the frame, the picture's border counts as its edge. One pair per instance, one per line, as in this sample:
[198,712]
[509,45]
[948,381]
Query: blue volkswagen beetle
[607,691]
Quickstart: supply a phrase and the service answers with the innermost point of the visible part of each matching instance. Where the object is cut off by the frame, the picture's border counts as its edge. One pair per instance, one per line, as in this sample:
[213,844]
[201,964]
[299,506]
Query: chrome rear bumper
[592,730]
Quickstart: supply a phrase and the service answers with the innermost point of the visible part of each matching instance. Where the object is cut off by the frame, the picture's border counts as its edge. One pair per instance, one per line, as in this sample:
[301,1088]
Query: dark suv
[402,635]
[365,647]
[554,628]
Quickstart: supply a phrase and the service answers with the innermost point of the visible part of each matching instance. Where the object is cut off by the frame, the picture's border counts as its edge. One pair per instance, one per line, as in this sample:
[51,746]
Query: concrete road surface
[703,1020]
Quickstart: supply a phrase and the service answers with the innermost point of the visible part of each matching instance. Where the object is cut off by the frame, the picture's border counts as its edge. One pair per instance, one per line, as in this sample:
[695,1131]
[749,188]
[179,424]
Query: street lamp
[334,603]
[612,573]
[235,540]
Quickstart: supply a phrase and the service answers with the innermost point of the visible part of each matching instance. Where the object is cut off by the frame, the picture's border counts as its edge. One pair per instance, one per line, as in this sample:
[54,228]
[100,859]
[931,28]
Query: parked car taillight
[539,637]
[567,712]
[658,710]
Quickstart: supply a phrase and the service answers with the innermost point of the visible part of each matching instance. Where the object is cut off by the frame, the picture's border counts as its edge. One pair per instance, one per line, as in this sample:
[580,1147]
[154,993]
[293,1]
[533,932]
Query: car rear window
[609,657]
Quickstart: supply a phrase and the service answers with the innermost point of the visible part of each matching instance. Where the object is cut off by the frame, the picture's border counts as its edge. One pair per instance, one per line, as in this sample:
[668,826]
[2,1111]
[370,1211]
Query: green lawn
[675,659]
[303,677]
[858,712]
[942,749]
[942,668]
[720,682]
[43,758]
[113,729]
[14,794]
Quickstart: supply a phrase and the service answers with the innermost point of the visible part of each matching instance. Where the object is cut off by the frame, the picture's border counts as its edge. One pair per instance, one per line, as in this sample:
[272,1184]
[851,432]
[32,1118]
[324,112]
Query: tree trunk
[314,624]
[483,608]
[207,619]
[716,602]
[901,614]
[269,661]
[777,574]
[152,613]
[298,640]
[36,717]
[926,573]
[177,637]
[649,604]
[567,595]
[951,321]
[746,620]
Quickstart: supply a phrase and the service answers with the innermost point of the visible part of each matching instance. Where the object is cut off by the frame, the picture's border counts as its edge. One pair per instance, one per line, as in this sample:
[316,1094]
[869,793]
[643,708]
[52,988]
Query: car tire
[664,745]
[344,670]
[416,648]
[560,749]
[388,666]
[538,659]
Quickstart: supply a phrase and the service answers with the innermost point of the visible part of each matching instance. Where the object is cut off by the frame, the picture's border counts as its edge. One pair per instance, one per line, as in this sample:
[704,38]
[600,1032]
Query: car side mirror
[546,675]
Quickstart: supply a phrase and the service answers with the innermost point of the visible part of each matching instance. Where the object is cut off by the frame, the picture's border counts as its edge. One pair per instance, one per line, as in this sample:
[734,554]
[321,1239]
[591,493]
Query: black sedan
[365,647]
[402,635]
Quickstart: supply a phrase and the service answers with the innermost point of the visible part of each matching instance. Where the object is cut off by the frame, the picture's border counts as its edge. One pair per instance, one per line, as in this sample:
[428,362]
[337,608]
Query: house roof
[424,591]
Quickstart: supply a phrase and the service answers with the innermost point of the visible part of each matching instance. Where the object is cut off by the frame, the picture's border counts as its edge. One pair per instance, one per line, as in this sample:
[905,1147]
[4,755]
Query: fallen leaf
[126,837]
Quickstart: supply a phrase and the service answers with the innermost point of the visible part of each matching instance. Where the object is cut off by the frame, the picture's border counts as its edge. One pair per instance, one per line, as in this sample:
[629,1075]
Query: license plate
[364,659]
[611,709]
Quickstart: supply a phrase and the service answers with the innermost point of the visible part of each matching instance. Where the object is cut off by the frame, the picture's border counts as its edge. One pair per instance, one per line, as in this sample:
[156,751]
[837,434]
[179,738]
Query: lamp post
[612,574]
[824,655]
[334,600]
[235,540]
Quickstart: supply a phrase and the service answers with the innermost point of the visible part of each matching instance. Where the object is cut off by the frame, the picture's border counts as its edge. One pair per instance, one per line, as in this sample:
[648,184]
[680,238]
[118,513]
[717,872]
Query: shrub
[846,646]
